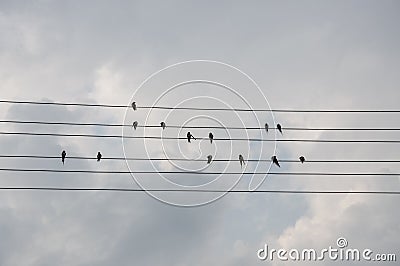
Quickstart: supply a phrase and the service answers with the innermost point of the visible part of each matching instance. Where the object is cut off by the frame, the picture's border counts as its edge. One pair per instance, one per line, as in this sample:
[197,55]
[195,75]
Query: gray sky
[302,54]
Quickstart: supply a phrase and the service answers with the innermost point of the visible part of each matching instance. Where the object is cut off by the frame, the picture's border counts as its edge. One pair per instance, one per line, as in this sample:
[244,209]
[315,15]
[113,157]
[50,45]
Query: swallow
[302,159]
[63,155]
[135,124]
[134,106]
[279,127]
[211,137]
[99,156]
[209,158]
[189,136]
[266,127]
[275,160]
[241,160]
[162,124]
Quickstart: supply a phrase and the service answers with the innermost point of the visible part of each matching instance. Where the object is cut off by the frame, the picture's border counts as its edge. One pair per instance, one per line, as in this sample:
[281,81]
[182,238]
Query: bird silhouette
[266,127]
[241,160]
[134,106]
[189,136]
[302,159]
[279,127]
[211,137]
[63,155]
[99,156]
[275,160]
[162,125]
[209,158]
[135,124]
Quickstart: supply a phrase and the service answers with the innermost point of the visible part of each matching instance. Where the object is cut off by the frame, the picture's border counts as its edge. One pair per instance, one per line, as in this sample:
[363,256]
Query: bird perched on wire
[63,155]
[302,159]
[99,156]
[190,136]
[162,124]
[135,124]
[275,160]
[211,137]
[241,160]
[266,127]
[134,106]
[279,127]
[209,158]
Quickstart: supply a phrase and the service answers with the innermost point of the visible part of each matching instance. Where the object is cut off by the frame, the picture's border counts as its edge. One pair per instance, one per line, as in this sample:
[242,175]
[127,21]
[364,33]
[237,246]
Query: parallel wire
[193,127]
[197,108]
[201,191]
[193,160]
[184,138]
[197,127]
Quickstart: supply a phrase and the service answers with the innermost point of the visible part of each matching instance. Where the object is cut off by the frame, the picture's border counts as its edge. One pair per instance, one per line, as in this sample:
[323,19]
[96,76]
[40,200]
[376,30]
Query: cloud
[304,55]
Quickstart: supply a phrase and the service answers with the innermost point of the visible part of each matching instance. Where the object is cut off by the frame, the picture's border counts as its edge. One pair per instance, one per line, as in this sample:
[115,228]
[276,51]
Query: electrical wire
[196,108]
[184,138]
[193,127]
[201,191]
[194,172]
[193,160]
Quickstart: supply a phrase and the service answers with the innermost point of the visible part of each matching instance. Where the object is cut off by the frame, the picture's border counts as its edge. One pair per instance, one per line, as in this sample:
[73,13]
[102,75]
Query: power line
[195,172]
[184,138]
[201,190]
[194,160]
[197,108]
[194,127]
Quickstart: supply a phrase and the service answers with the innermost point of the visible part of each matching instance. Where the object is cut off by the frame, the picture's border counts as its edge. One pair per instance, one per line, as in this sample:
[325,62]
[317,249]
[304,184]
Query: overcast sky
[302,55]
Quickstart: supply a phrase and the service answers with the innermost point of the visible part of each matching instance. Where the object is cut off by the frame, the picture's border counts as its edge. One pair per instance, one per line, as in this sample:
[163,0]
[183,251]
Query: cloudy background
[303,55]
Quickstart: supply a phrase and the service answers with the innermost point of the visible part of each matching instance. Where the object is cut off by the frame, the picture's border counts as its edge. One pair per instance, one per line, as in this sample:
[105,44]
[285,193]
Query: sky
[300,55]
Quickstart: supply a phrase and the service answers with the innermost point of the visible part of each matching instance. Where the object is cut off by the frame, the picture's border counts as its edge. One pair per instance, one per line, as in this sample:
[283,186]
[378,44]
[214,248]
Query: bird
[302,159]
[98,156]
[279,127]
[134,106]
[275,160]
[189,136]
[211,137]
[241,160]
[63,155]
[162,125]
[266,127]
[135,124]
[209,158]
